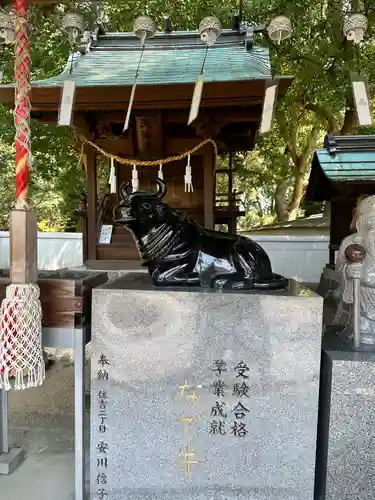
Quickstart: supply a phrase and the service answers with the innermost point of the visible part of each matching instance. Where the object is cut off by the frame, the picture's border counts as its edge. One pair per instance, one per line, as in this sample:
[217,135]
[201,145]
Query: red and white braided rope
[22,103]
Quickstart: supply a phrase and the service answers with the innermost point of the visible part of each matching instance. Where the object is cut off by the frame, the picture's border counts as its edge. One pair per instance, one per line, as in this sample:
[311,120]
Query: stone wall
[299,257]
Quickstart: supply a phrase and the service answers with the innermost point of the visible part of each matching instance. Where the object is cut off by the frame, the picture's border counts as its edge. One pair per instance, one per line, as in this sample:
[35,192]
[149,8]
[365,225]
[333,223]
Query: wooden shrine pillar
[209,186]
[232,225]
[23,247]
[85,255]
[115,197]
[91,173]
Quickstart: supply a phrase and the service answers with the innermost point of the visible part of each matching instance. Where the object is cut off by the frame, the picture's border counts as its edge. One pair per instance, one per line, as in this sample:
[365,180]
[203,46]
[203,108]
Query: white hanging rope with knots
[21,352]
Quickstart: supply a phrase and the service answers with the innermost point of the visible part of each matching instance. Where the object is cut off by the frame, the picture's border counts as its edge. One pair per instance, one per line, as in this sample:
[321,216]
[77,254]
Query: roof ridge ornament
[86,41]
[249,38]
[144,28]
[102,21]
[168,28]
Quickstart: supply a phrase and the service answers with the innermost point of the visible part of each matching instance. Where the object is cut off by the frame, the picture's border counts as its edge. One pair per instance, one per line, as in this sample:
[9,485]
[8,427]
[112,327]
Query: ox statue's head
[142,209]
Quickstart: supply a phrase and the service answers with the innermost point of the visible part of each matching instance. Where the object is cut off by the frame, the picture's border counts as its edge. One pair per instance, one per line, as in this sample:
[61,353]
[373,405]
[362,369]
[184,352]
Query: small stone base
[11,460]
[346,426]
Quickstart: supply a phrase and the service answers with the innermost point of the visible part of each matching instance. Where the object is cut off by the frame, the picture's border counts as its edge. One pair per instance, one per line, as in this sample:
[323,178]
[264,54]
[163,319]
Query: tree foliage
[57,183]
[273,177]
[320,99]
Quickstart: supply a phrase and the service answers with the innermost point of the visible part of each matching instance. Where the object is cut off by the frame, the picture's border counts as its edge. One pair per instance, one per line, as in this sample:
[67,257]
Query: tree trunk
[350,118]
[281,205]
[298,191]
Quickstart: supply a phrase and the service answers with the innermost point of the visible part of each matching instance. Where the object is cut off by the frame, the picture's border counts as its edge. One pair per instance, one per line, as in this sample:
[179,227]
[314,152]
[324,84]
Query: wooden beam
[163,96]
[148,135]
[83,127]
[85,246]
[208,190]
[91,172]
[208,126]
[23,247]
[120,146]
[232,114]
[229,114]
[51,104]
[178,146]
[112,116]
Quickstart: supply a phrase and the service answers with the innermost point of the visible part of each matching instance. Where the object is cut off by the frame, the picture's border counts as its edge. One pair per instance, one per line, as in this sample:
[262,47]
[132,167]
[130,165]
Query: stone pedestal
[198,395]
[346,452]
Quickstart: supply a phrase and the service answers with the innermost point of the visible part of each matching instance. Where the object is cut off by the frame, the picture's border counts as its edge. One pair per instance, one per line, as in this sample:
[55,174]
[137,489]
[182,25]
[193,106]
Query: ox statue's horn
[162,188]
[125,190]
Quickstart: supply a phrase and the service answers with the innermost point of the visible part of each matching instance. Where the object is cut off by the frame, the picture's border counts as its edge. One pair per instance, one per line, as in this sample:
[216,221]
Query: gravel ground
[42,423]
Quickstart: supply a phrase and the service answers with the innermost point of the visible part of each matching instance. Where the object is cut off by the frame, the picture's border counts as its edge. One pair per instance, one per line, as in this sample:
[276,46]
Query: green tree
[273,177]
[57,183]
[320,99]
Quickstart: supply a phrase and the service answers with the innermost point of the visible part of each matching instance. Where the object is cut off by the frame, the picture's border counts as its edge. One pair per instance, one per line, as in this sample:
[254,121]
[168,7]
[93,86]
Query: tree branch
[323,113]
[349,117]
[310,144]
[291,142]
[293,54]
[292,151]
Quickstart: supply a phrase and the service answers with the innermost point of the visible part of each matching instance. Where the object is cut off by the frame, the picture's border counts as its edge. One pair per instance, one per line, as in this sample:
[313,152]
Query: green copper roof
[347,167]
[352,161]
[113,60]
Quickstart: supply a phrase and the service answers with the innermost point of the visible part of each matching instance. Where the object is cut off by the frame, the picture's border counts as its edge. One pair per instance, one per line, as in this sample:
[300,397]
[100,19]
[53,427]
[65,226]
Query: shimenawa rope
[153,163]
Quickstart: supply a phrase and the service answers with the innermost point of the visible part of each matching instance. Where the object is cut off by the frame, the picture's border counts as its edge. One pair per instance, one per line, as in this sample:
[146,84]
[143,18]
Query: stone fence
[298,257]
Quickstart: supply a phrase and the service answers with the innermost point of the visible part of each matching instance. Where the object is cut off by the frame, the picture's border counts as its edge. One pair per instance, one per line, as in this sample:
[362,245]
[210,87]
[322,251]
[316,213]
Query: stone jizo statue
[356,258]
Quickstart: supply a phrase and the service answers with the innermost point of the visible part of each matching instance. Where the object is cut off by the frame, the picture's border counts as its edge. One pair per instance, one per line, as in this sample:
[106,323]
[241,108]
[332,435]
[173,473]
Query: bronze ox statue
[178,251]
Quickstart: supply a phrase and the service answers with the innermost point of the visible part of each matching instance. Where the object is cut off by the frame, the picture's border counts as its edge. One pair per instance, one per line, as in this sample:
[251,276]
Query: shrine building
[236,73]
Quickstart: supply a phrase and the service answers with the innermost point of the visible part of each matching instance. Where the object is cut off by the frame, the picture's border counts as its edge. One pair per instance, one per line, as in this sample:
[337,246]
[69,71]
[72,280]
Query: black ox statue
[177,251]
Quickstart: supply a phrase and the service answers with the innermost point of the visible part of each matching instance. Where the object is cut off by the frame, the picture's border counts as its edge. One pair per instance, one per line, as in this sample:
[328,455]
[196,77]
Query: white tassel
[160,172]
[135,181]
[112,178]
[188,177]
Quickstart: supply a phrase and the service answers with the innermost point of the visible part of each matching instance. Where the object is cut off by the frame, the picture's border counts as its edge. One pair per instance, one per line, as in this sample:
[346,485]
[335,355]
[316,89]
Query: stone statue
[177,251]
[357,255]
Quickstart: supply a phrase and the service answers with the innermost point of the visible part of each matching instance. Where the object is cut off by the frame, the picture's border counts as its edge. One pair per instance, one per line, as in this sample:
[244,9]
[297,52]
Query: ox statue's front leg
[175,275]
[233,281]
